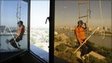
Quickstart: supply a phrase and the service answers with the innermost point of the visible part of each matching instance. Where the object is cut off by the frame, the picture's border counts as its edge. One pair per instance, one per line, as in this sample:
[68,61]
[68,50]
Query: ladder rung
[80,3]
[83,16]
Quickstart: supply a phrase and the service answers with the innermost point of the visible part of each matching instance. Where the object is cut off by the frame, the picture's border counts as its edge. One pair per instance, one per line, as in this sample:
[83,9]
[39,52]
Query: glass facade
[39,30]
[11,12]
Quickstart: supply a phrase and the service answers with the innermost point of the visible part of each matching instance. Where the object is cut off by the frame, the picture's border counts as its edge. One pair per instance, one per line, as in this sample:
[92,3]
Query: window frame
[51,32]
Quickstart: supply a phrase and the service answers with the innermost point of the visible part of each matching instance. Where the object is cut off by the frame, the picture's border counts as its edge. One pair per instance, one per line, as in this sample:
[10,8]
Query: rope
[86,39]
[101,16]
[13,36]
[88,12]
[18,13]
[9,30]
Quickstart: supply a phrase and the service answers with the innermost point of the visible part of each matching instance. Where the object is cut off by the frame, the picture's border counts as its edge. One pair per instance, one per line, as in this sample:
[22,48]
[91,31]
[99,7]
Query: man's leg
[18,39]
[83,52]
[89,45]
[11,40]
[89,49]
[84,49]
[13,43]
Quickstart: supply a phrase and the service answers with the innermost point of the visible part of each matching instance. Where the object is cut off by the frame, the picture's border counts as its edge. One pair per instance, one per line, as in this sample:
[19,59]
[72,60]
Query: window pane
[39,30]
[13,35]
[71,31]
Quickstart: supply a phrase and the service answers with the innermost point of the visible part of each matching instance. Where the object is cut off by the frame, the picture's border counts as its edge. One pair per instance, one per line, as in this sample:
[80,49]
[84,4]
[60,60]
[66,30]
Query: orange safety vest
[80,34]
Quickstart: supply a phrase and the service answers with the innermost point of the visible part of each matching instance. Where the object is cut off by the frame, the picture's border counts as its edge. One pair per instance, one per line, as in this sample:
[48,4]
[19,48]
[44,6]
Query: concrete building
[2,28]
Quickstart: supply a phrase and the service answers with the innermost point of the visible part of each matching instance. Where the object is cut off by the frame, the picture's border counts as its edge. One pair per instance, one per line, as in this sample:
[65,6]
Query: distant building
[2,28]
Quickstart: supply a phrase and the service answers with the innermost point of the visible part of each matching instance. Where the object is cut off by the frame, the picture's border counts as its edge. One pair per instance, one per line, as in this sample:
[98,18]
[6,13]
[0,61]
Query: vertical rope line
[101,18]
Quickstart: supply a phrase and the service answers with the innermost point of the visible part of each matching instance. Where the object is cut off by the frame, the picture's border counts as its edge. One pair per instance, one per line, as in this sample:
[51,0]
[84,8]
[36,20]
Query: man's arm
[85,26]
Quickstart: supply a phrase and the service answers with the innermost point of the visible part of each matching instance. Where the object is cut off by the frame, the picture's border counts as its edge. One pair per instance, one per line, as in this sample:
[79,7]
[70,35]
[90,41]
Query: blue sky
[67,12]
[39,13]
[8,13]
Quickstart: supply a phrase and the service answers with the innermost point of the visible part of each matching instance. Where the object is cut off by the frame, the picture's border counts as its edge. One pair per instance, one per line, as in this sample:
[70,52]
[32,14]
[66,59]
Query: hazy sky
[66,13]
[39,13]
[8,12]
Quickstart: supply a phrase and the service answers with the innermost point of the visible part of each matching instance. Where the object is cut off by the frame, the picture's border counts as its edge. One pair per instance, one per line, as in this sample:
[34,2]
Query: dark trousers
[85,49]
[15,39]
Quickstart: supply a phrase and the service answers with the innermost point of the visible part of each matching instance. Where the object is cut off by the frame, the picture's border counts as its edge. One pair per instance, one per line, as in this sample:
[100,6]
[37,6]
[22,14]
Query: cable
[13,36]
[18,13]
[101,16]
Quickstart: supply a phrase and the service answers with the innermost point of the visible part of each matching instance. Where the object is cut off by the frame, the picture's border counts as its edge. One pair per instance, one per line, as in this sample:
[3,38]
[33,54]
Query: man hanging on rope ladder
[19,35]
[81,36]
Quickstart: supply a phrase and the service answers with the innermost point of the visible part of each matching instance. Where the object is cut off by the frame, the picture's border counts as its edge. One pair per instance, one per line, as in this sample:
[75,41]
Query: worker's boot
[87,58]
[83,59]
